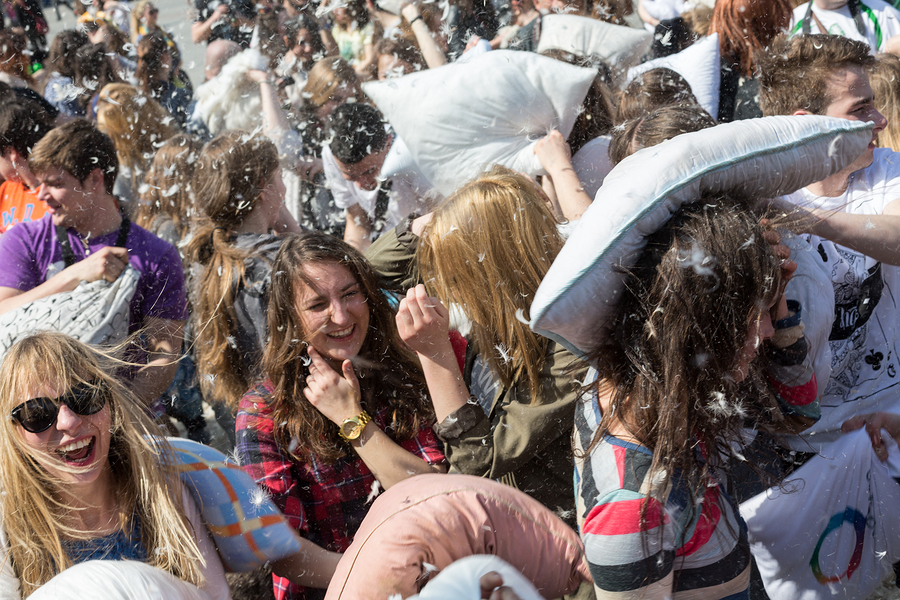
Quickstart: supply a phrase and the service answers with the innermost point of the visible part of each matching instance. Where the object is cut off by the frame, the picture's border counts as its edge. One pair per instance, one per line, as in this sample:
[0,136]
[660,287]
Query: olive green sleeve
[393,256]
[517,430]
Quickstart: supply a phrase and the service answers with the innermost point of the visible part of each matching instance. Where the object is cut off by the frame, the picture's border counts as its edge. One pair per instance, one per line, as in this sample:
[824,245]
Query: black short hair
[358,132]
[22,125]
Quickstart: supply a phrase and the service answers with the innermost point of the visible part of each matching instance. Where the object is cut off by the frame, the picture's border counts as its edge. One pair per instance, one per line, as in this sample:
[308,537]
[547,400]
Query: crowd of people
[265,247]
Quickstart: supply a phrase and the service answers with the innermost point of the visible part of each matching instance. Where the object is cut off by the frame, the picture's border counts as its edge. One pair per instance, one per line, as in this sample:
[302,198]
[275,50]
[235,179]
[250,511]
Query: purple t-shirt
[31,254]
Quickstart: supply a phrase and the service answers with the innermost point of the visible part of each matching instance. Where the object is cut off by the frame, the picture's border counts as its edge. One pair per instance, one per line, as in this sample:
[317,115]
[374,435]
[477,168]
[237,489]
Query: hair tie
[212,234]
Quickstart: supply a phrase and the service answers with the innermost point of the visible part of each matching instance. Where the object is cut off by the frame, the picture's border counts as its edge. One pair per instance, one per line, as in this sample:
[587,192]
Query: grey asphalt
[175,16]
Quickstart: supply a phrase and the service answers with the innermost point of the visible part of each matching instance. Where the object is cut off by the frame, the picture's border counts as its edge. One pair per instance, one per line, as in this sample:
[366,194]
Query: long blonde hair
[885,80]
[32,502]
[167,189]
[137,124]
[487,248]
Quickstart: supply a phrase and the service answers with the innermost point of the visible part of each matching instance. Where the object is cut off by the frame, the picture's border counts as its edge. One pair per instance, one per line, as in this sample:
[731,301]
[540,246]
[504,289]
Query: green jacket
[525,444]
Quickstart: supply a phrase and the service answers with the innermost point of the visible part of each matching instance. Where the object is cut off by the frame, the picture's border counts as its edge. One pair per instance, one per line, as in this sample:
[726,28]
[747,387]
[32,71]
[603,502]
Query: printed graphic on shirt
[859,350]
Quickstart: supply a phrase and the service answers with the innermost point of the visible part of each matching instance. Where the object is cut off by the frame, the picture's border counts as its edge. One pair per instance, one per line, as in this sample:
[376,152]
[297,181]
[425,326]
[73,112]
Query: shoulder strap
[124,228]
[807,17]
[68,254]
[381,206]
[862,8]
[853,6]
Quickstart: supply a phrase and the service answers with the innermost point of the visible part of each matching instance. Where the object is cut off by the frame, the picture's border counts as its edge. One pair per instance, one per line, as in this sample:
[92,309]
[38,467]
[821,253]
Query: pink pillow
[425,523]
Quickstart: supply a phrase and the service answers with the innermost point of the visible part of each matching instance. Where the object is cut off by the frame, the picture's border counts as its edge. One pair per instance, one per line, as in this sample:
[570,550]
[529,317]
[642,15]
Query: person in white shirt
[372,174]
[874,22]
[852,222]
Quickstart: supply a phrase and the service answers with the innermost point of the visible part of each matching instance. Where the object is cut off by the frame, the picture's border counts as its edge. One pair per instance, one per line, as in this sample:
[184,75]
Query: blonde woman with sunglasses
[81,477]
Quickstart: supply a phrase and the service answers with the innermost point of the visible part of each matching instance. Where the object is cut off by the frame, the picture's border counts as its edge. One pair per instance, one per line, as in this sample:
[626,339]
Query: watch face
[350,430]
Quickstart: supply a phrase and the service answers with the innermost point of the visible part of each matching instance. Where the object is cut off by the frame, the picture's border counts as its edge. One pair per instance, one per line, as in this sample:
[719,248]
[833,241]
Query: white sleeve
[215,584]
[345,193]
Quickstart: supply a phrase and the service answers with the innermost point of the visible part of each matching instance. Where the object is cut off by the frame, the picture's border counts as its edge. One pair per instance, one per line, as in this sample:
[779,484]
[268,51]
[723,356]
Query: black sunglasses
[39,414]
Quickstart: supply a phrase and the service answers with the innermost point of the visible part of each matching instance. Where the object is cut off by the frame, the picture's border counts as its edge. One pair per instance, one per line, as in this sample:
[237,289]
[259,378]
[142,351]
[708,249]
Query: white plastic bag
[838,534]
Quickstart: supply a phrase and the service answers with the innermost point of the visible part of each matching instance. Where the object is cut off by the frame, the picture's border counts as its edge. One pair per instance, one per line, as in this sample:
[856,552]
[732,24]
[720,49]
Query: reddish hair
[748,26]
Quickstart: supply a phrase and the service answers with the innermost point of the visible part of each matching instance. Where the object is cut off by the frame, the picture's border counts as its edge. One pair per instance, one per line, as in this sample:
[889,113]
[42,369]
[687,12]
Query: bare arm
[877,236]
[107,263]
[312,567]
[164,338]
[556,158]
[337,397]
[358,232]
[277,128]
[431,52]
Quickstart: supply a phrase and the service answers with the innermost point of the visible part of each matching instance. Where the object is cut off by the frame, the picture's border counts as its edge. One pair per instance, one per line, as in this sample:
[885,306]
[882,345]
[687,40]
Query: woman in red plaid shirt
[344,409]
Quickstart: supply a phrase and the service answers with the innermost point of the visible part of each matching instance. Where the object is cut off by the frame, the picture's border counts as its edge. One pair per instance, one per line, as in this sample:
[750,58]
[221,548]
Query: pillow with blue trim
[246,526]
[756,158]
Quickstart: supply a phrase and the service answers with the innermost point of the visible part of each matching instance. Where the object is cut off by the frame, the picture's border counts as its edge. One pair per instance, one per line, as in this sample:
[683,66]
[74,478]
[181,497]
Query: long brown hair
[150,52]
[667,357]
[388,373]
[746,27]
[148,488]
[486,249]
[229,177]
[167,185]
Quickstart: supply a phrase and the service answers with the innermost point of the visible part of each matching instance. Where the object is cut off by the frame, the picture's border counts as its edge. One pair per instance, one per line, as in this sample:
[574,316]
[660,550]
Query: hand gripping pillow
[462,579]
[618,45]
[699,64]
[247,528]
[425,523]
[462,118]
[96,312]
[761,158]
[830,530]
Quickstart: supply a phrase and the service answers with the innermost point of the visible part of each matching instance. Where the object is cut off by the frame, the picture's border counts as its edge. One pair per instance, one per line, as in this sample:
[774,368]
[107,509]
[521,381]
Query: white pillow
[230,100]
[618,45]
[764,157]
[460,119]
[699,64]
[116,580]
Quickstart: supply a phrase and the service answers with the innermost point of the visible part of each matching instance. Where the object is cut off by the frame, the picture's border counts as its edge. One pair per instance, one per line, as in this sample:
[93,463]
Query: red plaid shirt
[326,503]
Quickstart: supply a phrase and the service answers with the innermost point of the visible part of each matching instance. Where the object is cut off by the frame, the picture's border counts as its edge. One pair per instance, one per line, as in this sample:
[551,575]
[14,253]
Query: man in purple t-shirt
[76,166]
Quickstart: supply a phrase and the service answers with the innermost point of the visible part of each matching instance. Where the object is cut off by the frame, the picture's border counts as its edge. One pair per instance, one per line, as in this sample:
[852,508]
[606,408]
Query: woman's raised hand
[423,323]
[788,266]
[335,395]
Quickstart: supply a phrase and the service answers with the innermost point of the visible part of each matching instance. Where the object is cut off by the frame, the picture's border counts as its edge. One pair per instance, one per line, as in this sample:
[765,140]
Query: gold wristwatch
[353,427]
